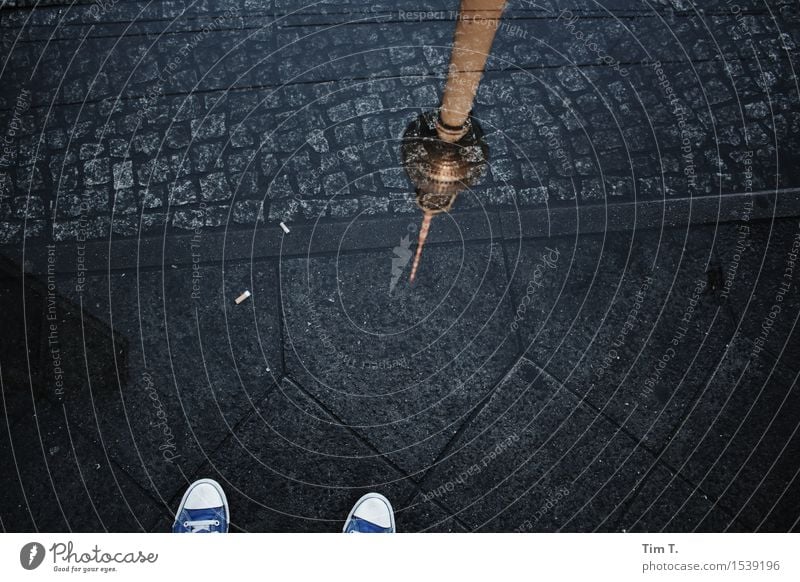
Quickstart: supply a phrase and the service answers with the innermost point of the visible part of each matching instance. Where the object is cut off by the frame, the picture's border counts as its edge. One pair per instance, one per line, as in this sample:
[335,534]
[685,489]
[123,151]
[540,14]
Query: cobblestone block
[240,138]
[504,170]
[146,143]
[561,190]
[341,112]
[206,157]
[592,190]
[394,178]
[188,219]
[365,183]
[336,185]
[123,175]
[153,171]
[118,148]
[343,207]
[283,210]
[248,212]
[6,185]
[178,137]
[619,187]
[29,178]
[89,229]
[29,207]
[91,150]
[182,192]
[125,202]
[280,187]
[10,233]
[83,202]
[404,205]
[125,225]
[318,142]
[374,129]
[216,216]
[56,139]
[374,205]
[214,187]
[368,104]
[536,195]
[209,127]
[313,209]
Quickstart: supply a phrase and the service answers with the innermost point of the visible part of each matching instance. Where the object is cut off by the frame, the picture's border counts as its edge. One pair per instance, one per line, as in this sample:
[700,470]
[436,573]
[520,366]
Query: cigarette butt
[242,297]
[285,228]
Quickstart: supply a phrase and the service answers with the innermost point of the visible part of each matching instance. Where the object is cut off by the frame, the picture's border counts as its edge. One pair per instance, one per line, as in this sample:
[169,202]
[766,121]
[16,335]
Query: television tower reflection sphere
[444,151]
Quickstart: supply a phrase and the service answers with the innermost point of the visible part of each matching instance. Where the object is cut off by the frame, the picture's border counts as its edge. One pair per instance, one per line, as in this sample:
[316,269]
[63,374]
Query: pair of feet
[204,509]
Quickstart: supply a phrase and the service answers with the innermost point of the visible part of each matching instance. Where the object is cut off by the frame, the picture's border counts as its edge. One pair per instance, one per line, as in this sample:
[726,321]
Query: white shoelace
[200,525]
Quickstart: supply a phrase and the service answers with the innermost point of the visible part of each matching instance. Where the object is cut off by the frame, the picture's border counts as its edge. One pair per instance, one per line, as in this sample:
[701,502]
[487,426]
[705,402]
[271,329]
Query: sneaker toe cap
[204,496]
[374,510]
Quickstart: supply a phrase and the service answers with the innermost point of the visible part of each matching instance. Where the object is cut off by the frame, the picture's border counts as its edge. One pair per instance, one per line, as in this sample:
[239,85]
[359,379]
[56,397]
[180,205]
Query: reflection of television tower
[444,151]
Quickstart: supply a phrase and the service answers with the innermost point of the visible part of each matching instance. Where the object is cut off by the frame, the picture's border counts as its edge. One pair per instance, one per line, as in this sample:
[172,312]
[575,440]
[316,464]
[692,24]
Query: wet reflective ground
[601,335]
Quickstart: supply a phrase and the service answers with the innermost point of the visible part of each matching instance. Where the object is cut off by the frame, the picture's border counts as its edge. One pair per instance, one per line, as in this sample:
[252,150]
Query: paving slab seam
[414,483]
[465,424]
[622,429]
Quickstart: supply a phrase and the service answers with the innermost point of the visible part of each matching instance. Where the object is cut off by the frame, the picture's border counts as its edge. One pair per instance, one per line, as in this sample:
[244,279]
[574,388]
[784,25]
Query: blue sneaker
[203,509]
[371,514]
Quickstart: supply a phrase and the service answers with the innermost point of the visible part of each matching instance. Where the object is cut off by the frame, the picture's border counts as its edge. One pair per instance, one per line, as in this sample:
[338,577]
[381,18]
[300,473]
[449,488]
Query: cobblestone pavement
[602,335]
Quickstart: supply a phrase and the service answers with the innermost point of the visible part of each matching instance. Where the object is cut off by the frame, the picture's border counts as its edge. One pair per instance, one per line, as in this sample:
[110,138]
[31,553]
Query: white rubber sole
[361,500]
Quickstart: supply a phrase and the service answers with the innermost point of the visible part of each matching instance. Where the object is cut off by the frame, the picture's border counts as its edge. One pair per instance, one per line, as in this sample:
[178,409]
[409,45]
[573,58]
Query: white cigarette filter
[242,297]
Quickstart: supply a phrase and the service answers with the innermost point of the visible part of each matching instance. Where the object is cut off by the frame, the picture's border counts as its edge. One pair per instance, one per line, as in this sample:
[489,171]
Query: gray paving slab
[538,459]
[664,502]
[58,479]
[402,365]
[627,321]
[739,442]
[292,467]
[758,259]
[632,238]
[191,369]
